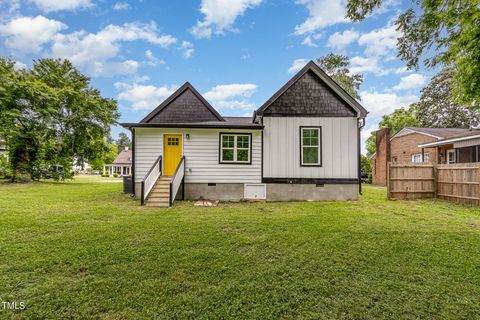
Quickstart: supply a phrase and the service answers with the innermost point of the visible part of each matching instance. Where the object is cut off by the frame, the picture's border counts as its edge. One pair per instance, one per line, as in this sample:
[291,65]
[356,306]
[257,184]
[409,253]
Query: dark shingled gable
[310,96]
[186,105]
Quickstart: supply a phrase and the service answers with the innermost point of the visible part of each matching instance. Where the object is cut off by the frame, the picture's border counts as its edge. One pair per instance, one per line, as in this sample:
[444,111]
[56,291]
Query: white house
[302,144]
[122,165]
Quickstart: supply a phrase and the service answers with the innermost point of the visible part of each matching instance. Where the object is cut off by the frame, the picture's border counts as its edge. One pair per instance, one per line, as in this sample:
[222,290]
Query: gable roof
[437,133]
[189,106]
[124,157]
[468,134]
[315,69]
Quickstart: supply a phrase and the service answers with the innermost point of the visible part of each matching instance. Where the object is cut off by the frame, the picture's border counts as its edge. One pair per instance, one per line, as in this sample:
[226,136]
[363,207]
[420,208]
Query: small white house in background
[122,165]
[302,144]
[79,166]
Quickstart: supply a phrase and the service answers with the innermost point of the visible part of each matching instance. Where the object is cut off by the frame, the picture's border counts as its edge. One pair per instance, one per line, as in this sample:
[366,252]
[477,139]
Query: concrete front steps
[160,194]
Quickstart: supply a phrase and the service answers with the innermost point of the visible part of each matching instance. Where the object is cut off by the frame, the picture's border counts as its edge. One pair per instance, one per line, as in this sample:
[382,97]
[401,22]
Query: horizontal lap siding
[282,148]
[467,143]
[201,155]
[148,146]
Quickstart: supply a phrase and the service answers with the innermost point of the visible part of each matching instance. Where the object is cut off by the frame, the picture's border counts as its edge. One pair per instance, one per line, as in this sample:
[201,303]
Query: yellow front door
[172,153]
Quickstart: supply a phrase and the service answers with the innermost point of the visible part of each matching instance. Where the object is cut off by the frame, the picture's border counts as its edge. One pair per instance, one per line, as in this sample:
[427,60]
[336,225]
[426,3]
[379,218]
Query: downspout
[361,124]
[133,160]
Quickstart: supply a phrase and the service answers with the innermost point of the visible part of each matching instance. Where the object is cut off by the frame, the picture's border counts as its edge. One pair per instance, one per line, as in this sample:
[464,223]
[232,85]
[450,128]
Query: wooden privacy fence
[454,182]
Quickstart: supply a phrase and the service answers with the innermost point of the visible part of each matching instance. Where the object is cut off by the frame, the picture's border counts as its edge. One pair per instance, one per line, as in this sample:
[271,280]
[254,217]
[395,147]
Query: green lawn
[84,250]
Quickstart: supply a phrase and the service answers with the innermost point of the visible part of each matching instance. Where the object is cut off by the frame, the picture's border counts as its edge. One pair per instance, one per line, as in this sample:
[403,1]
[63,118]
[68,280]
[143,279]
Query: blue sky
[235,52]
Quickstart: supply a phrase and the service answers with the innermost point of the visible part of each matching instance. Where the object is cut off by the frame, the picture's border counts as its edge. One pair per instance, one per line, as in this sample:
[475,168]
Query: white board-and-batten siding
[282,147]
[201,153]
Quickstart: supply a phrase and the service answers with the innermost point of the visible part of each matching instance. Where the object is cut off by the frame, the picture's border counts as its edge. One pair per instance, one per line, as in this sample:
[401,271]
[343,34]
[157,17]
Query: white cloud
[380,41]
[340,41]
[220,15]
[9,8]
[402,70]
[152,60]
[309,40]
[121,6]
[231,96]
[58,5]
[143,97]
[228,91]
[113,68]
[380,103]
[412,81]
[27,34]
[297,65]
[95,51]
[367,65]
[322,13]
[19,65]
[187,48]
[97,54]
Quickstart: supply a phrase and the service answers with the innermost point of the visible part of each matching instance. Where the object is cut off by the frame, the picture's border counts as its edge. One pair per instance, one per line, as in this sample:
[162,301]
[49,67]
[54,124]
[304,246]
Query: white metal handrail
[177,179]
[148,182]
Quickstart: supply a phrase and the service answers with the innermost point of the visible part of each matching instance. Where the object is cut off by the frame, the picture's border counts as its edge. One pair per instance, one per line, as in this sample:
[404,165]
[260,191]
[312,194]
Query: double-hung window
[416,158]
[311,146]
[235,148]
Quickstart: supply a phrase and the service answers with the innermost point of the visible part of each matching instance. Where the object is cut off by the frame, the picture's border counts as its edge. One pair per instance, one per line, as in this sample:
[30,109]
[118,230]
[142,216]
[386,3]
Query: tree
[123,141]
[51,115]
[438,107]
[366,166]
[397,120]
[106,158]
[439,32]
[336,66]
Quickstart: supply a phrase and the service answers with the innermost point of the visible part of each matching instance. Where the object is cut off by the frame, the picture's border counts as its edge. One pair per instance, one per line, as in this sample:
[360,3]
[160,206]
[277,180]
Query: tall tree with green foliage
[437,32]
[105,158]
[397,120]
[336,66]
[438,107]
[123,142]
[51,115]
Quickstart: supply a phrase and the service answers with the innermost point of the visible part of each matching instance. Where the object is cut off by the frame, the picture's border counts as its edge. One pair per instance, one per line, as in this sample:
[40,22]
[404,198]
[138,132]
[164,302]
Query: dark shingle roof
[183,106]
[310,97]
[124,157]
[239,120]
[442,133]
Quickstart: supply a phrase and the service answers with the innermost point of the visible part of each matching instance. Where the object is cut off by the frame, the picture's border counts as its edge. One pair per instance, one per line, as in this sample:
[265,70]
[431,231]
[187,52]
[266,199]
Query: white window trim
[319,147]
[425,156]
[449,151]
[235,148]
[417,155]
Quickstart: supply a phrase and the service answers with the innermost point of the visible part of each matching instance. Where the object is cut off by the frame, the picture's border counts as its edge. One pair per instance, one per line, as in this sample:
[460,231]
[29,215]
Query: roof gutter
[447,141]
[191,125]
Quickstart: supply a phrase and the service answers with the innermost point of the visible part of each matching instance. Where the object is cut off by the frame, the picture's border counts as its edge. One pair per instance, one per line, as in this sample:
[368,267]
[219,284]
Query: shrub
[22,177]
[4,167]
[115,175]
[105,175]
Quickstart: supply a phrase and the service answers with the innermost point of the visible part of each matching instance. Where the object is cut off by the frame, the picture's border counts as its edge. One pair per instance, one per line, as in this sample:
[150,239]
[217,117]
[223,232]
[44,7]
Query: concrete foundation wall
[275,192]
[304,192]
[222,191]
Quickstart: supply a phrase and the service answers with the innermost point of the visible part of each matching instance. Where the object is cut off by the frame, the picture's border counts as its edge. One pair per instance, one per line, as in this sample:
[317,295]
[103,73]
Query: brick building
[404,146]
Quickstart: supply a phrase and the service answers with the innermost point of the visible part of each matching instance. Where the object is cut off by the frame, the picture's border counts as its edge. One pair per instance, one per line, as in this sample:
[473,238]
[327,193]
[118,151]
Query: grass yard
[83,250]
